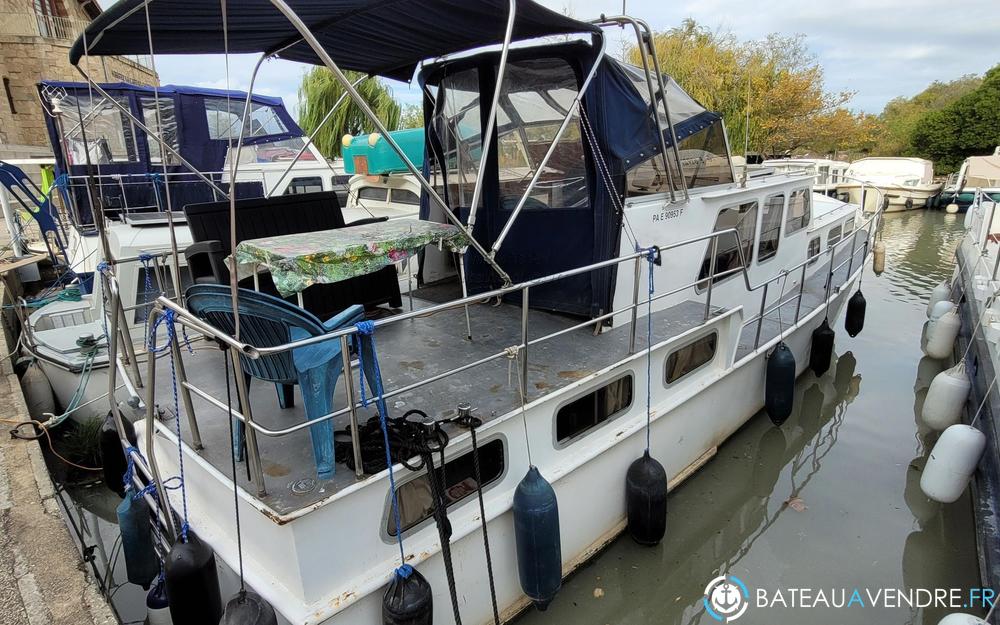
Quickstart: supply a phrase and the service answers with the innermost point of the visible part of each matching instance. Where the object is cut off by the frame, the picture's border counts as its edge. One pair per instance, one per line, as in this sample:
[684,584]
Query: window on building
[374,194]
[110,133]
[163,126]
[770,227]
[813,251]
[798,211]
[833,237]
[587,412]
[414,497]
[743,219]
[224,115]
[10,96]
[405,196]
[691,357]
[304,184]
[51,18]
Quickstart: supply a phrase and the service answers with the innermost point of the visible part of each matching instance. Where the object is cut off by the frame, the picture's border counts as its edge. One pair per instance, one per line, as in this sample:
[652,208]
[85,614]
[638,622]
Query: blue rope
[367,328]
[651,258]
[131,452]
[147,288]
[168,318]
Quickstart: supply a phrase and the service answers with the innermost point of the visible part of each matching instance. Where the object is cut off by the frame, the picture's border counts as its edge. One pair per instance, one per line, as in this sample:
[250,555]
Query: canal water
[830,500]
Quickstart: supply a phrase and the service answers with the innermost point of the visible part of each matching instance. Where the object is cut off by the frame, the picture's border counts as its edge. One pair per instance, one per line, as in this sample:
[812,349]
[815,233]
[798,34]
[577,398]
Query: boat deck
[418,349]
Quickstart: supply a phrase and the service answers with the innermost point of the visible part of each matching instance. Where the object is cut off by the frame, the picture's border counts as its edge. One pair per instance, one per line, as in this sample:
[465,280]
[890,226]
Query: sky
[878,49]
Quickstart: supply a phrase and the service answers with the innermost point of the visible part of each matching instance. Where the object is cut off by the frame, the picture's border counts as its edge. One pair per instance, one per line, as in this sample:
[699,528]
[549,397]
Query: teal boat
[372,155]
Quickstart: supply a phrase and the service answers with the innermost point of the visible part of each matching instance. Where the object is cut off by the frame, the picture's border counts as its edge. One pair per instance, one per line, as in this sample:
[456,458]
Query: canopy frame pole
[548,154]
[487,137]
[143,127]
[621,20]
[432,194]
[666,110]
[309,139]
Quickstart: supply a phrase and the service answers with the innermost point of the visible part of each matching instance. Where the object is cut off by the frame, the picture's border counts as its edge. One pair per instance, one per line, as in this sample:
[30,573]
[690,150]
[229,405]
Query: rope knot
[512,351]
[103,267]
[144,258]
[366,328]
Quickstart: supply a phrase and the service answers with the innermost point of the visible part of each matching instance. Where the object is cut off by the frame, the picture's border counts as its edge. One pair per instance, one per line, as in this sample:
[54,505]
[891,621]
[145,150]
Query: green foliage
[901,116]
[320,90]
[412,116]
[969,126]
[777,78]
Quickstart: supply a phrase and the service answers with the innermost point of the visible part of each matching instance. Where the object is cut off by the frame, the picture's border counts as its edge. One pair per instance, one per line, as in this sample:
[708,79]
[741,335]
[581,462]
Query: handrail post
[635,306]
[760,321]
[345,353]
[524,343]
[854,250]
[802,289]
[129,347]
[161,493]
[829,274]
[253,452]
[711,276]
[175,349]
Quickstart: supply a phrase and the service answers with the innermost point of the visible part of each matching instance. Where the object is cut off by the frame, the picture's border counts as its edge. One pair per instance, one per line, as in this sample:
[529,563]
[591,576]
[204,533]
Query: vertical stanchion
[345,353]
[253,453]
[635,305]
[711,276]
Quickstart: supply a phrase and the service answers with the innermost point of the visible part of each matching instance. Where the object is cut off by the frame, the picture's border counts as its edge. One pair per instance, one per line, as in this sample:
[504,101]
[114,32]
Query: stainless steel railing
[239,348]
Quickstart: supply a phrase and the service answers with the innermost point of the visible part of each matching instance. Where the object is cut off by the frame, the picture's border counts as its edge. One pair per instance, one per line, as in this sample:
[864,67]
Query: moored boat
[905,183]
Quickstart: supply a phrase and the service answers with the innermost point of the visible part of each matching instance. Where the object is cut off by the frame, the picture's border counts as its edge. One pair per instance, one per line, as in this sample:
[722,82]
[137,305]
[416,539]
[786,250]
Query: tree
[776,78]
[412,116]
[969,126]
[320,90]
[901,116]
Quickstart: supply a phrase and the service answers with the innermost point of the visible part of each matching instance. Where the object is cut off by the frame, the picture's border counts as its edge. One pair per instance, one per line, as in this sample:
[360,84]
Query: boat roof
[380,37]
[164,90]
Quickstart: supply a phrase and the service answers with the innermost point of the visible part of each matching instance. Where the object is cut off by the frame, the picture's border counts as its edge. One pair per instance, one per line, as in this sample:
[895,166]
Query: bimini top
[166,90]
[380,37]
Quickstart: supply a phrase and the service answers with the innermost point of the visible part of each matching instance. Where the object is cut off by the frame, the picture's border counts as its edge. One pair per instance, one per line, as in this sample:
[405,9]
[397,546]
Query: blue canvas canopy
[197,122]
[380,37]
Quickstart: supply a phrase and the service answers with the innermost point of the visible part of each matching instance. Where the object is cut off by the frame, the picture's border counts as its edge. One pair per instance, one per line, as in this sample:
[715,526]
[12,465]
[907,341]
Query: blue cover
[381,159]
[194,143]
[382,37]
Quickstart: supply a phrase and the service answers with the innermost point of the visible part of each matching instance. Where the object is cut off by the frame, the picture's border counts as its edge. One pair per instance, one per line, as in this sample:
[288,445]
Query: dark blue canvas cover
[142,183]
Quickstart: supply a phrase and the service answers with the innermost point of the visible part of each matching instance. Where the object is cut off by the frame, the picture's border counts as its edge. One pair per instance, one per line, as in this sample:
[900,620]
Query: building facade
[35,38]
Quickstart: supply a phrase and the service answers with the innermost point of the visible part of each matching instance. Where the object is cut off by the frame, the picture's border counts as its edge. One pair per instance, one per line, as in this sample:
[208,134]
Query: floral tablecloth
[297,261]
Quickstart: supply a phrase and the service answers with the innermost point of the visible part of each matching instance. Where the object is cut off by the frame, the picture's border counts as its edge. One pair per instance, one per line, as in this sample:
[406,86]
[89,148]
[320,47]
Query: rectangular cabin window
[691,357]
[405,196]
[304,184]
[704,159]
[813,251]
[798,211]
[415,501]
[374,194]
[848,226]
[224,118]
[109,132]
[587,412]
[834,237]
[727,258]
[770,227]
[162,126]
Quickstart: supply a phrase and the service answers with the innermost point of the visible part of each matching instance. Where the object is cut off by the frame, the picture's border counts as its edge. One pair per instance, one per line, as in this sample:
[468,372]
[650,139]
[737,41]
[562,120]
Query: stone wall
[35,48]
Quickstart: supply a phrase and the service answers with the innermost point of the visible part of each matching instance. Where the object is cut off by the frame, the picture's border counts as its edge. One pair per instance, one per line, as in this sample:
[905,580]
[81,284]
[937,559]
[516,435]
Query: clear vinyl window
[163,126]
[770,227]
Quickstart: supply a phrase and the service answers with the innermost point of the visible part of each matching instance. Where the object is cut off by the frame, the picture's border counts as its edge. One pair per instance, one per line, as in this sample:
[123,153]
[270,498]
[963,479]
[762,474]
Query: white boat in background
[906,182]
[977,172]
[828,173]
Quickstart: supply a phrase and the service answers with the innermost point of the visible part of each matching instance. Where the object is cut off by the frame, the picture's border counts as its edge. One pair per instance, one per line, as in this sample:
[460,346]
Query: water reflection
[920,249]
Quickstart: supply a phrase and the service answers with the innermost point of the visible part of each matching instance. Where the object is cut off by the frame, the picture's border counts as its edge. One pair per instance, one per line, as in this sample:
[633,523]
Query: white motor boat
[906,183]
[829,173]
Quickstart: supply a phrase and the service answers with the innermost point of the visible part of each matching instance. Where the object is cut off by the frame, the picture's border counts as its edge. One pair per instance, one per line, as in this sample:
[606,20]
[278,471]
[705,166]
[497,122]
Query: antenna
[746,130]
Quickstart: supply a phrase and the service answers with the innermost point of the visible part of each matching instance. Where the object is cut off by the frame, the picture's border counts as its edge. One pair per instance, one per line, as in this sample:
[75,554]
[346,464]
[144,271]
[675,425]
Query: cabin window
[163,126]
[813,251]
[704,161]
[824,175]
[848,226]
[414,497]
[110,133]
[743,219]
[404,196]
[458,124]
[798,211]
[833,237]
[770,227]
[373,194]
[535,96]
[223,116]
[304,184]
[691,357]
[587,412]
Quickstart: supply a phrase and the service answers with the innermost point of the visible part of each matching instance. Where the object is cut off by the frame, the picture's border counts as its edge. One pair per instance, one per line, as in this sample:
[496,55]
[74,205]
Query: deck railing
[520,350]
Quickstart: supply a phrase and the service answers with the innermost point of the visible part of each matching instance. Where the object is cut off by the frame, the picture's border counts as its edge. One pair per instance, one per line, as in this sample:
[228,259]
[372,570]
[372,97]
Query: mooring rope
[236,495]
[651,256]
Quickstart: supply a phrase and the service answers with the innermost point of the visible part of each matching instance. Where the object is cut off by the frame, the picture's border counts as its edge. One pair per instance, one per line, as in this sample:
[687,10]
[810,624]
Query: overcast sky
[878,49]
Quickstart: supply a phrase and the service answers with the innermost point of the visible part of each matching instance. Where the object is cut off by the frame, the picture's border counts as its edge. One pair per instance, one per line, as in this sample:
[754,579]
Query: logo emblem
[726,598]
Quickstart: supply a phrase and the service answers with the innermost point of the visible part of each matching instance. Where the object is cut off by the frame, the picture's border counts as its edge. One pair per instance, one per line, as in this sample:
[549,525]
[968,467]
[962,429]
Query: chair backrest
[26,193]
[265,217]
[265,321]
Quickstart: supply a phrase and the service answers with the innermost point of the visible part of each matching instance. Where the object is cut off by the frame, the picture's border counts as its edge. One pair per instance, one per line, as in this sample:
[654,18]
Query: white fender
[940,293]
[952,462]
[946,397]
[942,333]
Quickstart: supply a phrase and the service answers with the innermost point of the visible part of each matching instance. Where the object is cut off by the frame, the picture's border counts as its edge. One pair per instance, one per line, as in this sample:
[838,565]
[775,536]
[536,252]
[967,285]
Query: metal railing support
[760,320]
[253,452]
[635,306]
[161,493]
[345,354]
[711,273]
[524,343]
[802,290]
[175,350]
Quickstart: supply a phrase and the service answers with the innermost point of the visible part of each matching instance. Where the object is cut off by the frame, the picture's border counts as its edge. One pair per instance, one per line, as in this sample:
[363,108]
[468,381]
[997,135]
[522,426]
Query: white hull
[900,198]
[687,427]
